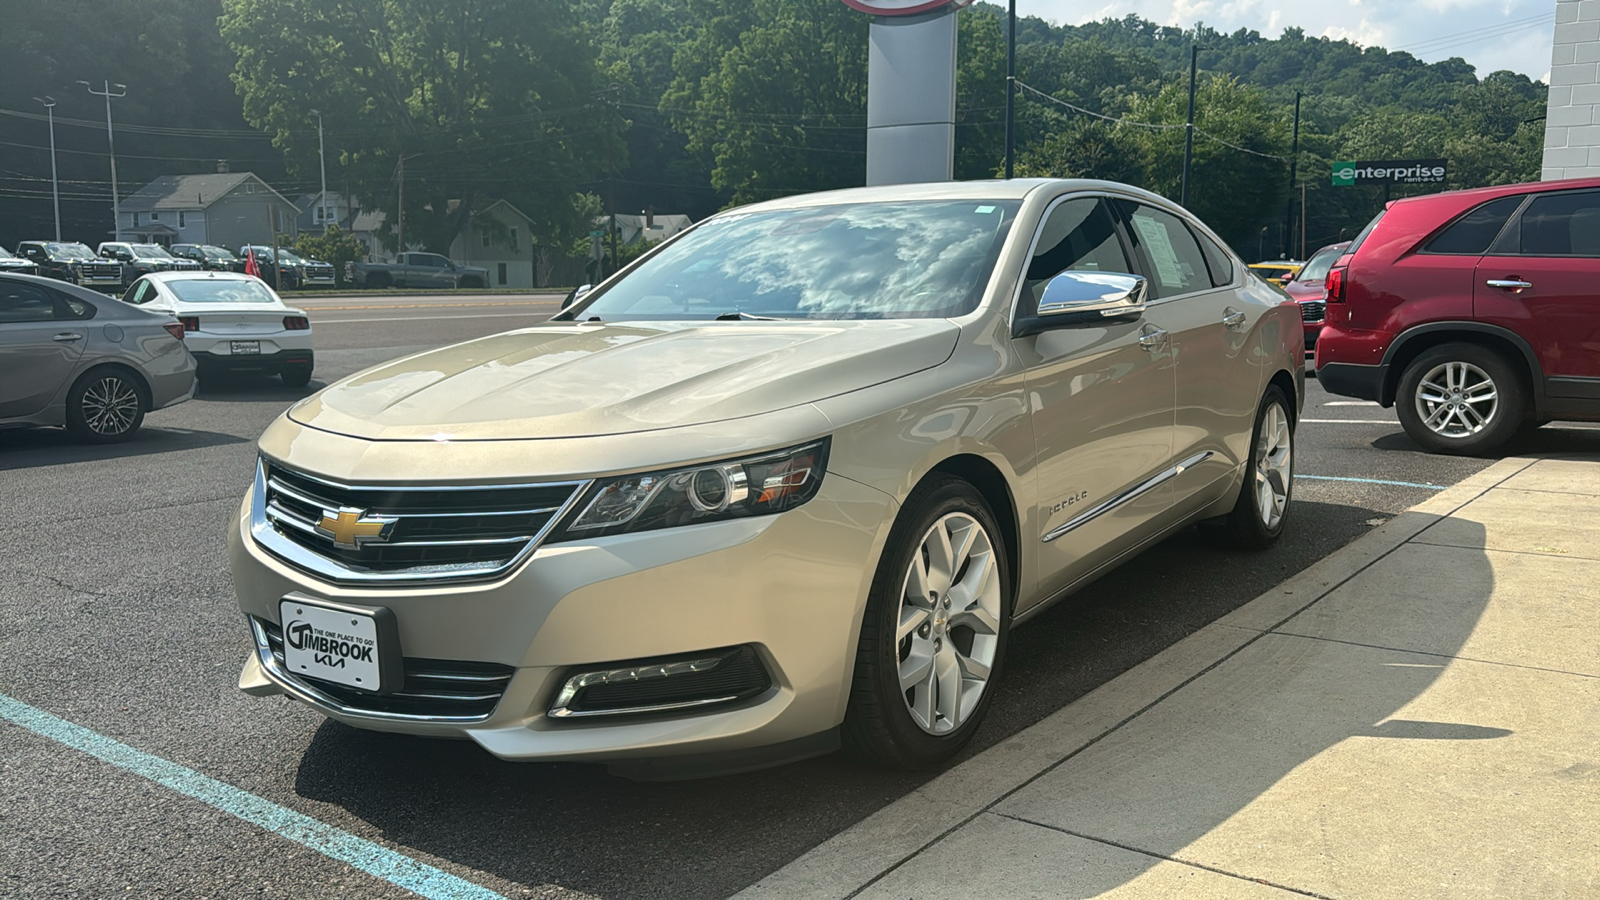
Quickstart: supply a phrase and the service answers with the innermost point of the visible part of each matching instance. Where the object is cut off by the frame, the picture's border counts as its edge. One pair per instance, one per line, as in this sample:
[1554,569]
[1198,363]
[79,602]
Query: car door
[1540,281]
[1101,401]
[40,342]
[1212,326]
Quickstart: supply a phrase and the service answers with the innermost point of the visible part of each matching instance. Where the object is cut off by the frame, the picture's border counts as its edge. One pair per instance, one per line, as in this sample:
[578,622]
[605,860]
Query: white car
[231,321]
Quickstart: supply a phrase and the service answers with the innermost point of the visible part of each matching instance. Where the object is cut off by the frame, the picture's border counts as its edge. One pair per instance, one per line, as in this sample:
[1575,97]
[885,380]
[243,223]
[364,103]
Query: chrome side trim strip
[305,693]
[1127,496]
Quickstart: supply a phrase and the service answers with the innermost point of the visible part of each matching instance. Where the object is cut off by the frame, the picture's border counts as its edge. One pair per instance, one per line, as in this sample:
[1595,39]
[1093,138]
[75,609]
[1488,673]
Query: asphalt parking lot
[117,616]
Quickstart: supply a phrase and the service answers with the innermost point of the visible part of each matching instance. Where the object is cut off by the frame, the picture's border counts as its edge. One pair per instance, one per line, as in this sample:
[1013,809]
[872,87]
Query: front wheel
[1462,399]
[934,632]
[105,406]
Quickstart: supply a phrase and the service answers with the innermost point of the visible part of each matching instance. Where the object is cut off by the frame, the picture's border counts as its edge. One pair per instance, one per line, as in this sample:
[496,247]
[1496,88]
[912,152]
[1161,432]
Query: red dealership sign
[902,7]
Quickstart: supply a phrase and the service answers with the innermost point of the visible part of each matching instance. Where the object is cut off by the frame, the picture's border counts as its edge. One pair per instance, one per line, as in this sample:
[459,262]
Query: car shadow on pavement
[1557,437]
[31,448]
[252,387]
[581,828]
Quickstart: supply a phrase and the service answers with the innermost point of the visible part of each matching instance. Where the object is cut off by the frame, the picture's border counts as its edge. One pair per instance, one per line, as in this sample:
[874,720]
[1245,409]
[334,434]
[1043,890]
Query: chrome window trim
[305,693]
[1127,496]
[263,530]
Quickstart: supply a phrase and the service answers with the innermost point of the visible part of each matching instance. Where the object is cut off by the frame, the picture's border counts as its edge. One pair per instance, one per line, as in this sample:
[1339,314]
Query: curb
[865,852]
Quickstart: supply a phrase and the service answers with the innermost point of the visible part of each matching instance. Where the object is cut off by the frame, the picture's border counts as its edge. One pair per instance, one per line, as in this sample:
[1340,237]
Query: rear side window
[1562,225]
[1216,259]
[1176,263]
[1474,232]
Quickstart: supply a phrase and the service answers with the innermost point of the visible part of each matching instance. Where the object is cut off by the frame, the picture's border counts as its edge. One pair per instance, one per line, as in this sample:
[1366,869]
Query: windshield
[215,253]
[151,251]
[6,254]
[70,251]
[922,259]
[1323,260]
[220,290]
[288,256]
[263,254]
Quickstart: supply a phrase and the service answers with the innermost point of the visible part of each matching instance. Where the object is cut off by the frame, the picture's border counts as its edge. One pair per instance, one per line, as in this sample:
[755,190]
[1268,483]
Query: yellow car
[1278,271]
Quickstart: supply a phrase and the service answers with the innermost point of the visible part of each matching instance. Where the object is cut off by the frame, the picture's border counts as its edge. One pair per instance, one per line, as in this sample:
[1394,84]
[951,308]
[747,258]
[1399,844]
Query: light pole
[1188,132]
[1294,160]
[322,162]
[1011,89]
[55,189]
[111,147]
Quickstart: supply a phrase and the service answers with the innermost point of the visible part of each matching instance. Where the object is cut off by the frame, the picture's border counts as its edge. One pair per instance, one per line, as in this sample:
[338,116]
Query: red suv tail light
[190,323]
[1335,284]
[296,323]
[175,329]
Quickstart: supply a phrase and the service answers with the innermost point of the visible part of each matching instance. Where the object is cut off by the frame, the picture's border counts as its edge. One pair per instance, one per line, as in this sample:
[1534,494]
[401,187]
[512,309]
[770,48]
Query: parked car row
[115,265]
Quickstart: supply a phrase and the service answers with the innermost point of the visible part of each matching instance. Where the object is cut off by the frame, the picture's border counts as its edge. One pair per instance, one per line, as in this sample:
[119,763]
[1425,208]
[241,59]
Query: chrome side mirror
[1100,293]
[576,295]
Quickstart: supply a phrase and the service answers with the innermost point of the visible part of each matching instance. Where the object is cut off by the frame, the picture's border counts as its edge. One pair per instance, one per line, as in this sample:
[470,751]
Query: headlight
[753,486]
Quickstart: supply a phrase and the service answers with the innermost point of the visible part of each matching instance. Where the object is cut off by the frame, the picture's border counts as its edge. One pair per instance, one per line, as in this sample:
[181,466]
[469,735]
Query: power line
[1088,112]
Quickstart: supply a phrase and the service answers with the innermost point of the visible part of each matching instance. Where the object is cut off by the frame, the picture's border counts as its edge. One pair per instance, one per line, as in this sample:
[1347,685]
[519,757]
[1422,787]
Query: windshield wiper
[744,317]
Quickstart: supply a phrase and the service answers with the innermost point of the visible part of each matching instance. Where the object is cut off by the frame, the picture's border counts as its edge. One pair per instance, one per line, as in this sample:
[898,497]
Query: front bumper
[792,586]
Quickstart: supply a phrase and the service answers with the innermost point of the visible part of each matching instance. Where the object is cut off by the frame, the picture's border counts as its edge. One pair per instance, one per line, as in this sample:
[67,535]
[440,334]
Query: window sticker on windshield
[1159,245]
[984,210]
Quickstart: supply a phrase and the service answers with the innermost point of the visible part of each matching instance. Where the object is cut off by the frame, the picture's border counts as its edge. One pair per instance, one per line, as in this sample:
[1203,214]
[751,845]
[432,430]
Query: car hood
[580,379]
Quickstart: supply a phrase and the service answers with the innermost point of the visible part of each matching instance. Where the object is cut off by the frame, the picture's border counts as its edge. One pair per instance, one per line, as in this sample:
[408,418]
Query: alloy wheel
[1456,399]
[110,406]
[949,623]
[1274,465]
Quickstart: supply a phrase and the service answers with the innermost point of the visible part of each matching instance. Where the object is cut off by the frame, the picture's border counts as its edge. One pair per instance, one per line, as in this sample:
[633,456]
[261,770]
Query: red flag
[250,267]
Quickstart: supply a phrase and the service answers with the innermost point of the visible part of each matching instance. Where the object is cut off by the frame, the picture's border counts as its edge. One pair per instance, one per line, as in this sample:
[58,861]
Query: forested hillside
[692,105]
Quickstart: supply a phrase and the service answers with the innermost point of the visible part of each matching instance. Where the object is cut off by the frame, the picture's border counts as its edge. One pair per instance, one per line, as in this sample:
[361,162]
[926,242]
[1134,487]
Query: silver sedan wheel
[1457,400]
[1274,465]
[110,406]
[949,623]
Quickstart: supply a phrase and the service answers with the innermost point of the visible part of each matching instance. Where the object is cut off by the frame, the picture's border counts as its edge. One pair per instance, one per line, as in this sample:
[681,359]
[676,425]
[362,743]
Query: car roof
[992,189]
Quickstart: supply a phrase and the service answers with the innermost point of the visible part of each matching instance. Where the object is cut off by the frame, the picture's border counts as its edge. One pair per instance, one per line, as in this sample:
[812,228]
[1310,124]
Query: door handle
[1151,340]
[1514,285]
[67,337]
[1233,318]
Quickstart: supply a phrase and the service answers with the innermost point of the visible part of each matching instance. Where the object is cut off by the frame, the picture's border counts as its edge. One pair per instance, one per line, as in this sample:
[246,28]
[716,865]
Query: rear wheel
[934,633]
[1463,399]
[379,280]
[105,406]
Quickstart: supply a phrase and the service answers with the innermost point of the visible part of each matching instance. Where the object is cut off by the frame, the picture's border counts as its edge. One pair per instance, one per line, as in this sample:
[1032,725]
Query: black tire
[295,376]
[106,406]
[1249,526]
[879,726]
[471,283]
[1471,427]
[379,280]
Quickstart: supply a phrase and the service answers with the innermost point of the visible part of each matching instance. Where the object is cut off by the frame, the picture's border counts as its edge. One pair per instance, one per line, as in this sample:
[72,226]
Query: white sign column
[1572,123]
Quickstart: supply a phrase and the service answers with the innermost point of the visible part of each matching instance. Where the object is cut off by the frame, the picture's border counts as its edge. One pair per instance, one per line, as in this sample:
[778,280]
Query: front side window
[1566,224]
[889,260]
[220,290]
[1077,236]
[1176,264]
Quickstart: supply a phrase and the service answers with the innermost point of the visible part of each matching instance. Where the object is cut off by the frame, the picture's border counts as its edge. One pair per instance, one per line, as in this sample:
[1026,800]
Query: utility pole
[611,190]
[111,147]
[1188,132]
[1294,162]
[55,189]
[322,162]
[1011,91]
[400,173]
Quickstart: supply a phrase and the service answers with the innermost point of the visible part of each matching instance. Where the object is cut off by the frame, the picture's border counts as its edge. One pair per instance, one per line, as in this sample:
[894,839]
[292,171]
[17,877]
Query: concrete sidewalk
[1417,715]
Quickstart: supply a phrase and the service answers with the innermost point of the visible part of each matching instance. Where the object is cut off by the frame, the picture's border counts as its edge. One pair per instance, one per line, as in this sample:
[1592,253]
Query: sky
[1489,34]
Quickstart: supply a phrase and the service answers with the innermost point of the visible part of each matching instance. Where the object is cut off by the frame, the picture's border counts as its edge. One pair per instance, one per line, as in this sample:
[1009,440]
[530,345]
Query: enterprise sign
[902,7]
[1392,171]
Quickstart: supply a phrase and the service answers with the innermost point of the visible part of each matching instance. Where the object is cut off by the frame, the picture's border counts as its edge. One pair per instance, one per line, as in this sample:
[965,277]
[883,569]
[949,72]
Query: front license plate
[347,645]
[245,348]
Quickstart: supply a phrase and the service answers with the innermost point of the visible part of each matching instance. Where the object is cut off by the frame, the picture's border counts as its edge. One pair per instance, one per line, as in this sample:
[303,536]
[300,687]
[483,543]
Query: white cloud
[1489,34]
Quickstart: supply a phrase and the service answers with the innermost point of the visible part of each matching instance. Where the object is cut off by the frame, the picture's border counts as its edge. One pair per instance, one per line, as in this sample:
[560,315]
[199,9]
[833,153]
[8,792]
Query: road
[117,616]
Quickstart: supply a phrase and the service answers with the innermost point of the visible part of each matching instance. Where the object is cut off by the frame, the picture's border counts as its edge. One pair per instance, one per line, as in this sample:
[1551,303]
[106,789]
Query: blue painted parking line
[374,859]
[1409,484]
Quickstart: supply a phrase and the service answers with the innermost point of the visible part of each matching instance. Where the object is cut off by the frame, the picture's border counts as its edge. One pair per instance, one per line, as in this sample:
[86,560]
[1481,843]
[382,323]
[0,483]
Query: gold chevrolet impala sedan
[782,485]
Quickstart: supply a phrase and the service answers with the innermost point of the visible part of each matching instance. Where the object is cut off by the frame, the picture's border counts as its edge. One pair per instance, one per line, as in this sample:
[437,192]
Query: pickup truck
[419,270]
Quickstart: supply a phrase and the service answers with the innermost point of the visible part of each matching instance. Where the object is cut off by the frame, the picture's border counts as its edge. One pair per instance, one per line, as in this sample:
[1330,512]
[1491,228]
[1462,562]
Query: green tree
[332,246]
[481,98]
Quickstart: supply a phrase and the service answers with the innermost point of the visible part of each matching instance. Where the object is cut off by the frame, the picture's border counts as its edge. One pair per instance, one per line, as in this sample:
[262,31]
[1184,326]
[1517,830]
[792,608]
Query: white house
[228,209]
[498,238]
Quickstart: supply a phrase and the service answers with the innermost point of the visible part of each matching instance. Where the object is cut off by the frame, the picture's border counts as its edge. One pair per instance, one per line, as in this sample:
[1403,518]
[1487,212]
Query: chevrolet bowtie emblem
[353,528]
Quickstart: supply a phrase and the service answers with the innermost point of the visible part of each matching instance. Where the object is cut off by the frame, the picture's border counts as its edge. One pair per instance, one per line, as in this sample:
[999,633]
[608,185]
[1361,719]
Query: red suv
[1476,313]
[1309,288]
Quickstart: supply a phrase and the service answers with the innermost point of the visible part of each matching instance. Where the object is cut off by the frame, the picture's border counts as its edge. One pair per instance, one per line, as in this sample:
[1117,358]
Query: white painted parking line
[1409,484]
[1351,403]
[1352,421]
[334,843]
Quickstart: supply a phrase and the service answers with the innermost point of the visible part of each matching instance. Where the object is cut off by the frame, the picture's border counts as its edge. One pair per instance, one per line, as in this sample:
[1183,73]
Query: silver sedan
[71,357]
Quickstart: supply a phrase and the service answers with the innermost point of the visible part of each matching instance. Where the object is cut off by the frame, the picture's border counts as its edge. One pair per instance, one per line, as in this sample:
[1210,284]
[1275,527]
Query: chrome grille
[319,273]
[437,533]
[455,690]
[1313,311]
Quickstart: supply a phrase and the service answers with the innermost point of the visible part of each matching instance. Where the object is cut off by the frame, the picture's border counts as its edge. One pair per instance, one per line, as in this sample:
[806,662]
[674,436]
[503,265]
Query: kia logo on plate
[902,7]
